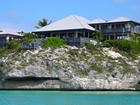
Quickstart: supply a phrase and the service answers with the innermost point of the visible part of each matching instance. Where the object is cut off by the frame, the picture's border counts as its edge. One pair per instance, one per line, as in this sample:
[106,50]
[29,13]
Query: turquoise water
[11,97]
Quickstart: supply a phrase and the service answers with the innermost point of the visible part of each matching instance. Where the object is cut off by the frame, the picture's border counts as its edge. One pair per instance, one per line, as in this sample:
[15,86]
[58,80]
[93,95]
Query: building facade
[77,30]
[74,29]
[7,35]
[118,28]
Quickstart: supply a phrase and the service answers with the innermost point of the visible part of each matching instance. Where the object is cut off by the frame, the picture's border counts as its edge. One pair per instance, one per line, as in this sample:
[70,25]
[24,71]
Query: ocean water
[22,97]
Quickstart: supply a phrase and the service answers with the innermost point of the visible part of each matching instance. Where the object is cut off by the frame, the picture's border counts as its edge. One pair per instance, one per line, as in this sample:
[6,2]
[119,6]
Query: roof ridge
[127,18]
[6,30]
[78,20]
[99,19]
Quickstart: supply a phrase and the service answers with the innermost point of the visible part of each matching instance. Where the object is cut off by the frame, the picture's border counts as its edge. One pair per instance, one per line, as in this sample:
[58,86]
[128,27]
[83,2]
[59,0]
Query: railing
[70,41]
[3,42]
[135,30]
[121,30]
[76,41]
[84,40]
[33,44]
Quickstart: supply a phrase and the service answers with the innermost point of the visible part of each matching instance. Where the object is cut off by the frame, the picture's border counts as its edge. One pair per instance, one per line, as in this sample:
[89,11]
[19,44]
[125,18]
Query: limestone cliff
[69,68]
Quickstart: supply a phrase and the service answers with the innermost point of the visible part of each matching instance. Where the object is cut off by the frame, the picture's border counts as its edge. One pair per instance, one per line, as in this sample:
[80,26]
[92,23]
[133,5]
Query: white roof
[10,32]
[95,21]
[120,19]
[69,23]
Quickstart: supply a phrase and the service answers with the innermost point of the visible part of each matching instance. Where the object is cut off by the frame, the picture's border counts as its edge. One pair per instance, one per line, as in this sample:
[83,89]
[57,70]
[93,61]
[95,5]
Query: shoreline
[72,89]
[54,84]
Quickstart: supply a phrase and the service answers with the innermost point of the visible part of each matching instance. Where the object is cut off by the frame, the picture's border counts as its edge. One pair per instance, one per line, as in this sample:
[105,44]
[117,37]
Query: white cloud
[121,1]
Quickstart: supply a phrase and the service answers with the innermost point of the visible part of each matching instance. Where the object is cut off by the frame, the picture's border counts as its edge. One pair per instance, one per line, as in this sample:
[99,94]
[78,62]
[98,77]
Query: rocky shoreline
[69,68]
[69,84]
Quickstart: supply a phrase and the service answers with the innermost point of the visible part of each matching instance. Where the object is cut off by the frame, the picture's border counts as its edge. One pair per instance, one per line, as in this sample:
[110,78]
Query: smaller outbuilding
[7,35]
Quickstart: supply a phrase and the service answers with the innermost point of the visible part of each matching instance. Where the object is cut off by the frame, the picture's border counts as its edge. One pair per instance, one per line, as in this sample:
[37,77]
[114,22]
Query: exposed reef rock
[69,68]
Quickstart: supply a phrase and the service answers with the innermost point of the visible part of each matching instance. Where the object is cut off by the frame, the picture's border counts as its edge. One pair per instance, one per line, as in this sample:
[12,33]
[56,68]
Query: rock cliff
[69,68]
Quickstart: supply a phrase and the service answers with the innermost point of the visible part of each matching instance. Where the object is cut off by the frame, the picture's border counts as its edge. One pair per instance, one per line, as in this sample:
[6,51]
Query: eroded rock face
[73,71]
[67,80]
[73,83]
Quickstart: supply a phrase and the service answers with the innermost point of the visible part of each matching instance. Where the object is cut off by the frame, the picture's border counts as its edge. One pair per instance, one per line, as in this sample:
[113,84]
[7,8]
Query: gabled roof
[120,19]
[69,23]
[96,21]
[10,31]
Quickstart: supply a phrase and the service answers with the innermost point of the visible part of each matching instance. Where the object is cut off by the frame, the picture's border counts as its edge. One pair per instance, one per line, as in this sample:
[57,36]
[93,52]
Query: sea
[47,97]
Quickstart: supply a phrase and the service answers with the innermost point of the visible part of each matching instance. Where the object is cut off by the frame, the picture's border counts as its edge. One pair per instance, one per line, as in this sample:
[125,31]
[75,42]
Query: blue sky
[24,14]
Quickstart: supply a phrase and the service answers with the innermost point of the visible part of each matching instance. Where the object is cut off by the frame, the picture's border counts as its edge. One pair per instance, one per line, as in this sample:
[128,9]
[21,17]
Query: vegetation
[98,36]
[97,68]
[11,46]
[92,56]
[73,52]
[29,37]
[53,42]
[43,23]
[90,46]
[128,46]
[136,37]
[14,44]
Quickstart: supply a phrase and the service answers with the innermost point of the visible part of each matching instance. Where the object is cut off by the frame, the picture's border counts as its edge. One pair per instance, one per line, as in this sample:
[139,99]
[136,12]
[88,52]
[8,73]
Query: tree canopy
[136,37]
[98,35]
[42,23]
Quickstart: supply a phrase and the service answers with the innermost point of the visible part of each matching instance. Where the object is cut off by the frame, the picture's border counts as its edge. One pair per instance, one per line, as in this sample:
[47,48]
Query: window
[123,26]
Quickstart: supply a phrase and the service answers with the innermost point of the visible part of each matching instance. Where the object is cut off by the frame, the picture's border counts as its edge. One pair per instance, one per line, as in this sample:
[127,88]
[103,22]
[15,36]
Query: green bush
[124,45]
[30,40]
[53,42]
[14,44]
[90,46]
[29,37]
[106,44]
[2,50]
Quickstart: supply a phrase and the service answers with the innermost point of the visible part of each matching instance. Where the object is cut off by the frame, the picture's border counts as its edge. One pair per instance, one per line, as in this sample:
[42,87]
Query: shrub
[53,42]
[14,44]
[2,50]
[27,36]
[90,46]
[124,45]
[106,44]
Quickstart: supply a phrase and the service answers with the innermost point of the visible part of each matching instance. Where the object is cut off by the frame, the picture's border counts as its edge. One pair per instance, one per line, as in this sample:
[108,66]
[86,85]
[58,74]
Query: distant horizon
[24,15]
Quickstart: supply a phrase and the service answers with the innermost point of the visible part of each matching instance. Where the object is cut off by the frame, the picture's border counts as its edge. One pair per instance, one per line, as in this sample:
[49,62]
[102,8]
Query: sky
[24,14]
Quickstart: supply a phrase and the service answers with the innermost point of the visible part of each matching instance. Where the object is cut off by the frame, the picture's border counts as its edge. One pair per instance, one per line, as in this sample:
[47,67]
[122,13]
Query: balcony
[3,42]
[120,30]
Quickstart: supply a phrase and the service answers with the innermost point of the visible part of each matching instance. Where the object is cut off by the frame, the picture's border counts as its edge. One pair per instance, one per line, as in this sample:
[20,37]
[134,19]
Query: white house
[9,34]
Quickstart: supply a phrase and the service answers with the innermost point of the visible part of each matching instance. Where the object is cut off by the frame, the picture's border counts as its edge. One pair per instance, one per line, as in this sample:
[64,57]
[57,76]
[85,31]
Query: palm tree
[98,36]
[42,23]
[136,37]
